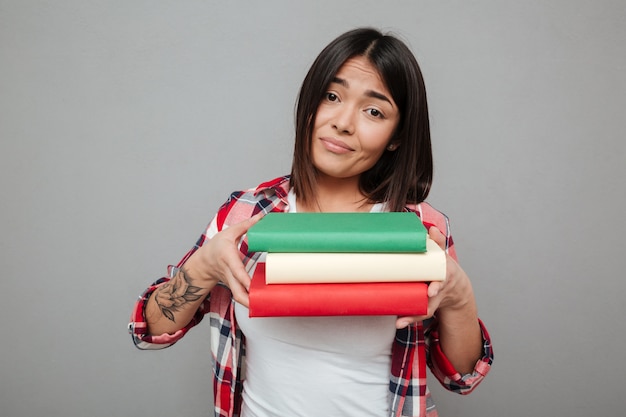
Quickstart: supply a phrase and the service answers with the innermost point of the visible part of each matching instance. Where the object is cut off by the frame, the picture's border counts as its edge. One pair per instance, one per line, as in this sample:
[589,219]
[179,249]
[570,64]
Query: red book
[336,299]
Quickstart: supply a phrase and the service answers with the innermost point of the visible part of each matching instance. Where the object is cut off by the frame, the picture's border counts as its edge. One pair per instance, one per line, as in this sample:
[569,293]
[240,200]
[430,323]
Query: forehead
[360,69]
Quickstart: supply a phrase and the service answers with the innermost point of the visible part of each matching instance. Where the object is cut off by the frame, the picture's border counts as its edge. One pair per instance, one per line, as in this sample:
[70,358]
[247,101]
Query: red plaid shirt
[414,348]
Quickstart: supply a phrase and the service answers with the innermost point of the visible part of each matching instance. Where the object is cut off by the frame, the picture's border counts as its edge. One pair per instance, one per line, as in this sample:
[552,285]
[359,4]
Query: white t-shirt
[316,366]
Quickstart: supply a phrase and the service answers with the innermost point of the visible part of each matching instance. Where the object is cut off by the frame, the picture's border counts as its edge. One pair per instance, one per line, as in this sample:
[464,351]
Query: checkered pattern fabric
[415,348]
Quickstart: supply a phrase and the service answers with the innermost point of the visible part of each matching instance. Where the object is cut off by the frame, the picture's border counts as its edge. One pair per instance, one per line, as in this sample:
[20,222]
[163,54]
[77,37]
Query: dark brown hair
[401,176]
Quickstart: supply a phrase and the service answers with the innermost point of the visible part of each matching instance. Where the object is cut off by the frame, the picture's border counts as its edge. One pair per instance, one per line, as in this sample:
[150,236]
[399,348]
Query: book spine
[335,299]
[311,242]
[294,268]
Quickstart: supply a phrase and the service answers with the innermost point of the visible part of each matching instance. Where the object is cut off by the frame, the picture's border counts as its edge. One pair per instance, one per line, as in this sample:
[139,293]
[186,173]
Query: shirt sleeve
[230,212]
[445,372]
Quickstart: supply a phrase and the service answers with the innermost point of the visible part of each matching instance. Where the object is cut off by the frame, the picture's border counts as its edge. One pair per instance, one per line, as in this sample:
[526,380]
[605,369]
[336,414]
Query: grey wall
[125,124]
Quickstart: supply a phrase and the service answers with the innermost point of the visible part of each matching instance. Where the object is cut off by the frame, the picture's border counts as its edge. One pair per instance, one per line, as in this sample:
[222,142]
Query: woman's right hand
[219,260]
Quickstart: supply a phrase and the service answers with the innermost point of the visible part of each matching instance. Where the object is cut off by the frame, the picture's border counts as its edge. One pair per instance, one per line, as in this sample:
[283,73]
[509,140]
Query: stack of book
[327,264]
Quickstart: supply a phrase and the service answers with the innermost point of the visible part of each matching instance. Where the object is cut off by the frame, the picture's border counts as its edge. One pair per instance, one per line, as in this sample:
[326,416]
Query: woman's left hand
[454,293]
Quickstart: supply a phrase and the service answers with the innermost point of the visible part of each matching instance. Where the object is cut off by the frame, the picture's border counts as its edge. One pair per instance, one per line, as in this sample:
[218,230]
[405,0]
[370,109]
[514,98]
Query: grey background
[125,124]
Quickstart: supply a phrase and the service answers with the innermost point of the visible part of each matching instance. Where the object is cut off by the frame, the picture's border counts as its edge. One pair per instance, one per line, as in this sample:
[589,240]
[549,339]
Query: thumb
[243,226]
[437,236]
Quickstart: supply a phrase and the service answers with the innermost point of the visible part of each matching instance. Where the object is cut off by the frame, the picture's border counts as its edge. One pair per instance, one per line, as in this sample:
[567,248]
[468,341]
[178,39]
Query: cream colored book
[301,268]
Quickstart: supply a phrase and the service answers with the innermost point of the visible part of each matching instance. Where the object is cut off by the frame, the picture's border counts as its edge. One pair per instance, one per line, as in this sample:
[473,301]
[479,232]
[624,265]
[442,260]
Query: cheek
[321,117]
[377,140]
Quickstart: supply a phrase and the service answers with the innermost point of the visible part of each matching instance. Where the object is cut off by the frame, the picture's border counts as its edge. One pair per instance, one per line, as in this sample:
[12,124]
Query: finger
[240,294]
[403,322]
[237,288]
[436,235]
[235,271]
[241,276]
[434,288]
[242,227]
[433,304]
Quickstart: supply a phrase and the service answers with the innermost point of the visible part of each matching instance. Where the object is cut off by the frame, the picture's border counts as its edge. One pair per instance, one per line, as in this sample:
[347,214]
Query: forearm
[172,306]
[460,336]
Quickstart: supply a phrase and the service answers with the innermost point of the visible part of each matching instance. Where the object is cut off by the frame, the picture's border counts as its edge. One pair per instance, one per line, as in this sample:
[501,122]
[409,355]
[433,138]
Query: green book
[338,232]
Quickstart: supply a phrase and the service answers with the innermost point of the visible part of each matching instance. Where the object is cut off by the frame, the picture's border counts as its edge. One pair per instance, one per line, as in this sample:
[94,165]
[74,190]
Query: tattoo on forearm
[170,297]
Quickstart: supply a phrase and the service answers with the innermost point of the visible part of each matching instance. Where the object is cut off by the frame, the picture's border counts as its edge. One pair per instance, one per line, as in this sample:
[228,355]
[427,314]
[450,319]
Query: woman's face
[355,122]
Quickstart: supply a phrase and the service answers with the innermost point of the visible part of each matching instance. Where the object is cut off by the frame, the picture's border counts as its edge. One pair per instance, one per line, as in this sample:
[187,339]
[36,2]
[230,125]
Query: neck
[337,195]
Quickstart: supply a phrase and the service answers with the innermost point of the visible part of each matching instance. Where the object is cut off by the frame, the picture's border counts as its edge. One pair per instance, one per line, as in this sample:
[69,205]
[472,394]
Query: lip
[335,145]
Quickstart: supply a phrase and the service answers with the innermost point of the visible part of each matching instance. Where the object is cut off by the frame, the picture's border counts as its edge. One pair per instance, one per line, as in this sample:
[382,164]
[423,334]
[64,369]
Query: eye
[331,97]
[375,113]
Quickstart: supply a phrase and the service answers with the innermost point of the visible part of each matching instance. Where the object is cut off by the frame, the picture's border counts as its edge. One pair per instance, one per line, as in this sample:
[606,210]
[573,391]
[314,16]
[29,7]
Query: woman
[362,144]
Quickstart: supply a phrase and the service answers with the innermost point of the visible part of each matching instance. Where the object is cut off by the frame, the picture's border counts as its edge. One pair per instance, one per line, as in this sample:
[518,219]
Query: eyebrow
[368,93]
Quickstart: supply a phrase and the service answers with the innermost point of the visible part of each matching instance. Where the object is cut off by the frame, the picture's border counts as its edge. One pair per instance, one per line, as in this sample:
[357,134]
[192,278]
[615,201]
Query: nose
[344,119]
